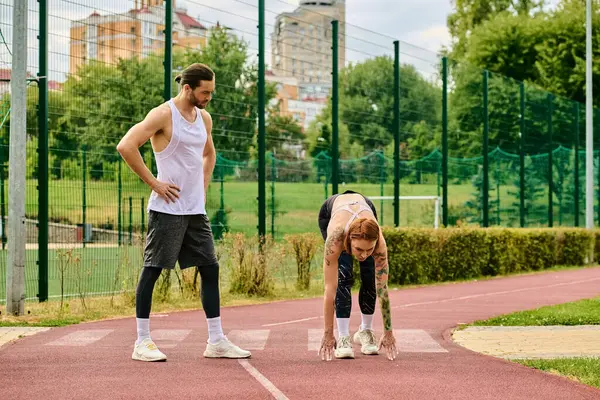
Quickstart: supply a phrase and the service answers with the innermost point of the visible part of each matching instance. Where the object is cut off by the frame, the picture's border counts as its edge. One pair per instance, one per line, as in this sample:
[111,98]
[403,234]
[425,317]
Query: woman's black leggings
[367,296]
[209,294]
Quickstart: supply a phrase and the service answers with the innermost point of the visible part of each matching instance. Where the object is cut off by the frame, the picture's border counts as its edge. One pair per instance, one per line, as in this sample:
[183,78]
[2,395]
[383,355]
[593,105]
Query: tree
[322,125]
[323,141]
[475,204]
[104,101]
[469,14]
[235,103]
[282,131]
[466,112]
[367,109]
[58,150]
[367,102]
[546,49]
[534,193]
[542,49]
[561,56]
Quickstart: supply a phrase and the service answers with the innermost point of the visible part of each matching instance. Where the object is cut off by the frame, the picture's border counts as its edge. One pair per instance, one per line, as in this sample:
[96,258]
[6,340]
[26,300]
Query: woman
[348,223]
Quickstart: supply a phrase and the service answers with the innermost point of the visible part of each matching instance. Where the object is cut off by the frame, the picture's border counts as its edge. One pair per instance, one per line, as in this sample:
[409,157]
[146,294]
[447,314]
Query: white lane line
[169,337]
[416,341]
[250,339]
[277,394]
[314,339]
[475,296]
[81,338]
[292,322]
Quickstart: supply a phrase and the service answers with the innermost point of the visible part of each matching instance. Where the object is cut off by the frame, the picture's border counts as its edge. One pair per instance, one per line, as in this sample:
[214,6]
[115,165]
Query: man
[178,228]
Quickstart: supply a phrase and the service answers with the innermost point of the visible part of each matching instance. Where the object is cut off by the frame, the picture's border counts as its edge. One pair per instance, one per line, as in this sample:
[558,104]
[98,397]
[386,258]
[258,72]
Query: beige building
[303,102]
[301,41]
[138,32]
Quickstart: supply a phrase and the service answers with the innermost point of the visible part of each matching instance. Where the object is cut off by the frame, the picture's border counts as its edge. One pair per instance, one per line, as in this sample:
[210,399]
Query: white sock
[143,329]
[343,326]
[215,332]
[367,321]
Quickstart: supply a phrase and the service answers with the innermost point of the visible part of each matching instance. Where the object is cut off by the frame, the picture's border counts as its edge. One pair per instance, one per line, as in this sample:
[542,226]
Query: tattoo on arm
[381,277]
[333,242]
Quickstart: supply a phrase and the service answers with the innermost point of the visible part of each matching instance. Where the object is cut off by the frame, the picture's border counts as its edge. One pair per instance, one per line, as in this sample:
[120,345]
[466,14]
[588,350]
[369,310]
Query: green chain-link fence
[401,120]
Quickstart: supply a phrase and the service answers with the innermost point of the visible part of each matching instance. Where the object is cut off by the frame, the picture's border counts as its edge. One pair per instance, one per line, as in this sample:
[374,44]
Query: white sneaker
[344,348]
[225,349]
[366,338]
[147,351]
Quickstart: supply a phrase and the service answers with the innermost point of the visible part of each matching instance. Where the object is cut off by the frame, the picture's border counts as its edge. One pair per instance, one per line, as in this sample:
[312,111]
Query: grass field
[295,211]
[584,312]
[584,370]
[294,202]
[100,269]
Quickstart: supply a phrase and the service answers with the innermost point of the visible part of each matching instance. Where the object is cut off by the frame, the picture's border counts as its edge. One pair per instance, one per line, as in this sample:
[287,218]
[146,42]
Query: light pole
[589,129]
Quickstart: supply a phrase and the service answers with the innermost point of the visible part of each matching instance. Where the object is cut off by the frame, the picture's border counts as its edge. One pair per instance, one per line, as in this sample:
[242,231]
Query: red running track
[92,361]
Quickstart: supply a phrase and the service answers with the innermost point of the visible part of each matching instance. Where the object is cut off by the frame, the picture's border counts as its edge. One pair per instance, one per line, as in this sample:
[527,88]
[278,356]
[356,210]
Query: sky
[372,26]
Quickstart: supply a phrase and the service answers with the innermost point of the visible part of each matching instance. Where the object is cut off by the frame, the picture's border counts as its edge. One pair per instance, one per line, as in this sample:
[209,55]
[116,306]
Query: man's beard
[196,103]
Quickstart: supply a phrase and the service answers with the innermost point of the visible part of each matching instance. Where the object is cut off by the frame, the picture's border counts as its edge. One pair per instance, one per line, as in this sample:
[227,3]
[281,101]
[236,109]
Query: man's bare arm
[129,148]
[137,136]
[210,154]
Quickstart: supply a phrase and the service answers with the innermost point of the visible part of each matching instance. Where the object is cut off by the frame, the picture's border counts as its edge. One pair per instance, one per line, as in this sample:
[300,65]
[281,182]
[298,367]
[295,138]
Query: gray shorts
[184,238]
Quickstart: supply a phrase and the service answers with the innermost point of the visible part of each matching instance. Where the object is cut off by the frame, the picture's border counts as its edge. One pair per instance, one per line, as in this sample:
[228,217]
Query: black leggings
[367,295]
[209,290]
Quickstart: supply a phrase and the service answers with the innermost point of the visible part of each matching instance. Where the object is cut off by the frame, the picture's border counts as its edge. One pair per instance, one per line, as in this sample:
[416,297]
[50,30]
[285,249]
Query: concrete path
[535,342]
[10,334]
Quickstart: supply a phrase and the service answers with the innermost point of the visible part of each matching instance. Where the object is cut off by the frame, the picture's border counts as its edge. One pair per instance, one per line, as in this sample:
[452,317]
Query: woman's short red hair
[361,228]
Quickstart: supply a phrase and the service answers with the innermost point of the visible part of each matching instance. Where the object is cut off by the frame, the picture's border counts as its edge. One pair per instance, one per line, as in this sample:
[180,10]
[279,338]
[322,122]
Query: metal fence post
[168,61]
[445,141]
[143,216]
[486,155]
[2,197]
[335,151]
[273,172]
[550,178]
[83,194]
[396,133]
[119,203]
[130,220]
[576,169]
[522,156]
[43,153]
[262,229]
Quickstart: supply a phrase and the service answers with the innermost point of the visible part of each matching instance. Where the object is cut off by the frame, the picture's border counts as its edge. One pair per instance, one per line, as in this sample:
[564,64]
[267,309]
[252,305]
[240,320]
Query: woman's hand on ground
[328,345]
[388,344]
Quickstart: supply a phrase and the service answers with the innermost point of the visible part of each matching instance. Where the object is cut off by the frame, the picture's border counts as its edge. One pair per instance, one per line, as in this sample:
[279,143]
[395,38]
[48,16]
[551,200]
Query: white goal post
[437,200]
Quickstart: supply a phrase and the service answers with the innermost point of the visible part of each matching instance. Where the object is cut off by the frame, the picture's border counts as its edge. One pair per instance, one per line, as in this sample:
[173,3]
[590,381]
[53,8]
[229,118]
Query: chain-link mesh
[106,71]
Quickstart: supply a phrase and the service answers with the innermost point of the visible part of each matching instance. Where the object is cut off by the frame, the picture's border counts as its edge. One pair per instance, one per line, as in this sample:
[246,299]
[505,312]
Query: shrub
[304,247]
[434,255]
[247,262]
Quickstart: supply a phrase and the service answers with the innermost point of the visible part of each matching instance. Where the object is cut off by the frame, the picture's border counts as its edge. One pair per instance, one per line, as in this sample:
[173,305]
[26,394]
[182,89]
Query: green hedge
[435,255]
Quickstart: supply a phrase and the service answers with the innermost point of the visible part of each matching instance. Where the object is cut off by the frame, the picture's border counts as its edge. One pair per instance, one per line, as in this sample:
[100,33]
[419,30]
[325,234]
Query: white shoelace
[345,341]
[370,336]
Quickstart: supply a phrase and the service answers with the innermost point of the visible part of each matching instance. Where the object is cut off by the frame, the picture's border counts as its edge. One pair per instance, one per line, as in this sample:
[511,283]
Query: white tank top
[181,163]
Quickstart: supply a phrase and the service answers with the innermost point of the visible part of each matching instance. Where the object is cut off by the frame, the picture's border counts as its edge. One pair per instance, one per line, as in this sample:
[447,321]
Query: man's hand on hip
[168,191]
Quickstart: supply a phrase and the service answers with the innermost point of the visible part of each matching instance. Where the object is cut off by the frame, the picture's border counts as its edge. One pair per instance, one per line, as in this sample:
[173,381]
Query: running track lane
[92,361]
